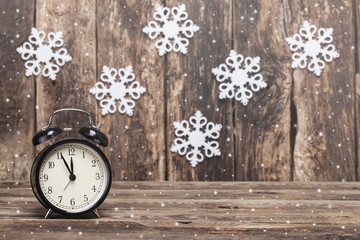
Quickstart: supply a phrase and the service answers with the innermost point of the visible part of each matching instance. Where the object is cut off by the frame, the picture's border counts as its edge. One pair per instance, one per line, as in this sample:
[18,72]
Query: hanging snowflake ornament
[305,45]
[113,91]
[191,141]
[171,29]
[39,51]
[239,82]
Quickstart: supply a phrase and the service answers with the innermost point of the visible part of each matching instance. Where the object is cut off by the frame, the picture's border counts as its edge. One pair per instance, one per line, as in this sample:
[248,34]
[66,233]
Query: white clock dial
[73,177]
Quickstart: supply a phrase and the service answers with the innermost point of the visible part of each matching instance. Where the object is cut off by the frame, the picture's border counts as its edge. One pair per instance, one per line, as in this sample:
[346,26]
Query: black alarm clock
[71,176]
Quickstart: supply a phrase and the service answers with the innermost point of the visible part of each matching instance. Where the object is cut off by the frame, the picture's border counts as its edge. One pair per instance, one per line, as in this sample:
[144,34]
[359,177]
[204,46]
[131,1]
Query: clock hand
[72,176]
[67,184]
[67,166]
[72,166]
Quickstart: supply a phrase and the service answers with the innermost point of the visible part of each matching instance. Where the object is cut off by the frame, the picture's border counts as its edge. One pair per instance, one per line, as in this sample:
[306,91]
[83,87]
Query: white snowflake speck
[196,138]
[38,51]
[305,45]
[171,29]
[240,79]
[118,90]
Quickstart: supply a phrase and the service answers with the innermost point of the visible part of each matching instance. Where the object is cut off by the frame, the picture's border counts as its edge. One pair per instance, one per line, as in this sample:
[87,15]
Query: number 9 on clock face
[72,176]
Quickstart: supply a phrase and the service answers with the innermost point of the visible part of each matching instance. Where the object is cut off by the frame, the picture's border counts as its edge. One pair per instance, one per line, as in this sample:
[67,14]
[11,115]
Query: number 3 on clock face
[72,176]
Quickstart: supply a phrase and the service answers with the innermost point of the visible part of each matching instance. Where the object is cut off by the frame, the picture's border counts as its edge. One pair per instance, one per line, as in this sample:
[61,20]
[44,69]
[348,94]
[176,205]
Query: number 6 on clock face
[72,176]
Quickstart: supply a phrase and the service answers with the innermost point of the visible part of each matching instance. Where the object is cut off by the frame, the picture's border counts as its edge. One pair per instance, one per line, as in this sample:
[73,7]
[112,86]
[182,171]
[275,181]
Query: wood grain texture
[194,210]
[301,127]
[17,92]
[262,128]
[325,141]
[76,21]
[137,143]
[356,8]
[191,86]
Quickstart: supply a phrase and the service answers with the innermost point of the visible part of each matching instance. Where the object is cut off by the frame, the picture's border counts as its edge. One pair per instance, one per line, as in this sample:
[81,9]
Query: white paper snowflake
[240,79]
[38,51]
[171,29]
[308,46]
[117,90]
[196,138]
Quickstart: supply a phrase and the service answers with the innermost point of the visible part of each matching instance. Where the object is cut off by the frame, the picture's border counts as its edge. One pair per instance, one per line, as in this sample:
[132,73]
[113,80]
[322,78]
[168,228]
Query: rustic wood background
[301,127]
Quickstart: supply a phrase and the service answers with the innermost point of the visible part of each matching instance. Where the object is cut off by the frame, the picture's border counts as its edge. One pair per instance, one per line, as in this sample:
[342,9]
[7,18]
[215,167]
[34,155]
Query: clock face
[73,176]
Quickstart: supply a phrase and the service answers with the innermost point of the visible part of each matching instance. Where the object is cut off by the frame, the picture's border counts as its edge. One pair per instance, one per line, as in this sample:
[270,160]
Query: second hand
[67,185]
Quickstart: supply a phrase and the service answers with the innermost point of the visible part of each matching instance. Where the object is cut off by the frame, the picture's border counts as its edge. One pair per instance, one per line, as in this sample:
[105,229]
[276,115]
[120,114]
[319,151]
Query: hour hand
[67,166]
[72,166]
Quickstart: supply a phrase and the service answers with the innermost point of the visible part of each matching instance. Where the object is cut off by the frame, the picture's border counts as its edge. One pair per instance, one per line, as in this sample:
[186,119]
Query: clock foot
[48,213]
[95,211]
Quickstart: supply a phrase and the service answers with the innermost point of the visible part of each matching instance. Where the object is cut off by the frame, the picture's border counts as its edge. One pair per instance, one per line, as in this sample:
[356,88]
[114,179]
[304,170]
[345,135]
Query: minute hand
[67,166]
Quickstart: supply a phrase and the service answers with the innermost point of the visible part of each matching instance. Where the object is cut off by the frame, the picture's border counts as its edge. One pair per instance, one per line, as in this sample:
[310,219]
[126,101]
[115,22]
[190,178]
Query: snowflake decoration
[171,29]
[308,46]
[117,90]
[196,139]
[240,78]
[36,51]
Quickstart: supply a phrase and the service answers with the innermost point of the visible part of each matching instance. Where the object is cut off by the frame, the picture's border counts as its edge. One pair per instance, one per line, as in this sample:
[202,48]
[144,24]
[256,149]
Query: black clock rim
[35,184]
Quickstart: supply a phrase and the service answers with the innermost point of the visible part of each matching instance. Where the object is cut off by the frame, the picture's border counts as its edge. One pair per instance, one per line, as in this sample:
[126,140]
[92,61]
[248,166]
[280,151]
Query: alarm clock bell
[50,131]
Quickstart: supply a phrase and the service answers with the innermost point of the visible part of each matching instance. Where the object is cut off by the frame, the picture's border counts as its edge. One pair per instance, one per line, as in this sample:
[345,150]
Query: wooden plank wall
[300,127]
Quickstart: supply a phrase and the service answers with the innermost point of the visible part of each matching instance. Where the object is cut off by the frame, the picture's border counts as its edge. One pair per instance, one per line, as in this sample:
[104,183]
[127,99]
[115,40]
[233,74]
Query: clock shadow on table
[54,215]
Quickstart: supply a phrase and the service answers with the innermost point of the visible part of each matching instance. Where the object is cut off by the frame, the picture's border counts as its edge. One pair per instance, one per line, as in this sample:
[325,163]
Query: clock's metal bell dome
[95,135]
[46,134]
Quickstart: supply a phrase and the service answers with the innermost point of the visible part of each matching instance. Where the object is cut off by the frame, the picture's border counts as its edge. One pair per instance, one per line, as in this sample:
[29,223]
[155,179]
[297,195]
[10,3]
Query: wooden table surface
[194,210]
